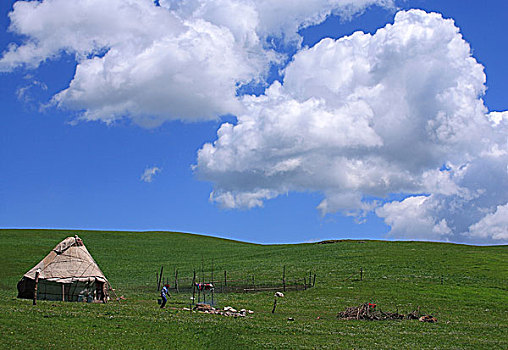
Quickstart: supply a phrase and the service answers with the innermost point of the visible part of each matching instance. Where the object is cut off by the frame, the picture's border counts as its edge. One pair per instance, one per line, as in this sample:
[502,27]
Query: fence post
[160,279]
[176,280]
[314,281]
[194,287]
[225,281]
[36,285]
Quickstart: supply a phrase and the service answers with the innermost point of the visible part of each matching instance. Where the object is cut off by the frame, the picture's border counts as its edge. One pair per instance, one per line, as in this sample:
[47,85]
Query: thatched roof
[69,261]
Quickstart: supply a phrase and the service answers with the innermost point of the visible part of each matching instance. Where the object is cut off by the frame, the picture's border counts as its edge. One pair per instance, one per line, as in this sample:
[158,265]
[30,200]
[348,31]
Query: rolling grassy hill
[465,287]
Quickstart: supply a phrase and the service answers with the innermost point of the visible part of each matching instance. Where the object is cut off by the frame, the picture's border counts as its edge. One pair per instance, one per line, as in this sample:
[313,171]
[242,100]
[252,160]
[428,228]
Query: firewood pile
[369,312]
[226,311]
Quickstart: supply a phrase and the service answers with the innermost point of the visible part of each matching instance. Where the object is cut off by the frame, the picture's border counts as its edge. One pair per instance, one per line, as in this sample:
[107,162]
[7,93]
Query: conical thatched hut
[67,273]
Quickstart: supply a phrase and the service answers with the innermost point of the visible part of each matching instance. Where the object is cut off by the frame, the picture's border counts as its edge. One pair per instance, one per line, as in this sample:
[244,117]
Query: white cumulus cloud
[493,225]
[414,218]
[181,60]
[366,116]
[275,18]
[149,174]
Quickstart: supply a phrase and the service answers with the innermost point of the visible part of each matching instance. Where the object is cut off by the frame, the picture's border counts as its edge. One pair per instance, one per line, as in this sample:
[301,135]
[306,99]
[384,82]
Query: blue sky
[59,171]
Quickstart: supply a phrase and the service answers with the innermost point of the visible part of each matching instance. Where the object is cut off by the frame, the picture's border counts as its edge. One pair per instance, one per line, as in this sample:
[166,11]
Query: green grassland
[465,287]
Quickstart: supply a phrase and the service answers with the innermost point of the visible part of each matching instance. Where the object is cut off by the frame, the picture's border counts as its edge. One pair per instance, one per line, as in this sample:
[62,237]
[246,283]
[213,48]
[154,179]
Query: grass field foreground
[465,287]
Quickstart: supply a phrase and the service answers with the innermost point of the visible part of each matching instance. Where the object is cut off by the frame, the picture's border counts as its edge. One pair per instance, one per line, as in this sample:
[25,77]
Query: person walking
[164,295]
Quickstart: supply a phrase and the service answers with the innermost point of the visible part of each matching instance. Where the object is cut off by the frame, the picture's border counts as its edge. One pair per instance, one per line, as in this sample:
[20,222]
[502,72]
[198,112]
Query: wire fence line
[241,282]
[225,282]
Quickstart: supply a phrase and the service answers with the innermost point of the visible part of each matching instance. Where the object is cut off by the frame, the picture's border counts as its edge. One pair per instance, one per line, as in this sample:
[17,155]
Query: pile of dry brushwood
[369,312]
[226,311]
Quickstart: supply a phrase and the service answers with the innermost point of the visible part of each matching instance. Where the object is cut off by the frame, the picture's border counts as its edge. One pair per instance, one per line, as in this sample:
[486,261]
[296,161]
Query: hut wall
[75,291]
[51,290]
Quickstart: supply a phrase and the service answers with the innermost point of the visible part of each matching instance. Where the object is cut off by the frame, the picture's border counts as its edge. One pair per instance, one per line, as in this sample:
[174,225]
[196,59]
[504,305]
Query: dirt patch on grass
[371,312]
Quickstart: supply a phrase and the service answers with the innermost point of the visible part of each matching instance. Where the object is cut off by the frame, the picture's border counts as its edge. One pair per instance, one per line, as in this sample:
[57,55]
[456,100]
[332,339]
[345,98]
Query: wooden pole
[36,285]
[202,279]
[225,281]
[63,292]
[310,278]
[176,280]
[304,283]
[193,287]
[160,278]
[274,305]
[314,281]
